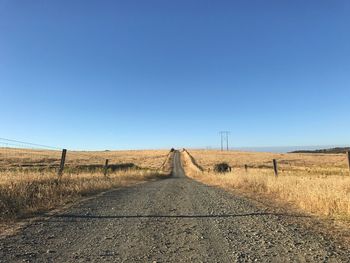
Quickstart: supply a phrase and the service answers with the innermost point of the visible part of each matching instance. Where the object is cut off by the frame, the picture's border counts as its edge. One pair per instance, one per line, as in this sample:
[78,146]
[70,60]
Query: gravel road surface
[170,220]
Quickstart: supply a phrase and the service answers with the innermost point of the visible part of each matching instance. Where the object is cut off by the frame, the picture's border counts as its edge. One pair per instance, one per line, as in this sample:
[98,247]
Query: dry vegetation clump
[317,187]
[189,162]
[167,165]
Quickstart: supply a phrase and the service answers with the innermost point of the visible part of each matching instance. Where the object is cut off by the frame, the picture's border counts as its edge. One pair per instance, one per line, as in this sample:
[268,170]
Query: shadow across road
[77,216]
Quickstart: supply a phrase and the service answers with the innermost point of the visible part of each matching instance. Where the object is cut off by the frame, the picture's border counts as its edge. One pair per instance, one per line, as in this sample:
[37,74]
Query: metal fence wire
[24,155]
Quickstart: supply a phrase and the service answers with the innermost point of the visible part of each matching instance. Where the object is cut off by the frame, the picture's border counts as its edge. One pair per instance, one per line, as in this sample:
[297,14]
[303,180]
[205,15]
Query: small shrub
[222,168]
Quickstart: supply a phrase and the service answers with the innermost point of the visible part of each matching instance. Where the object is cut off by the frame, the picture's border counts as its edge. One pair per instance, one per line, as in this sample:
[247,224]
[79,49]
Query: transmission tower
[224,139]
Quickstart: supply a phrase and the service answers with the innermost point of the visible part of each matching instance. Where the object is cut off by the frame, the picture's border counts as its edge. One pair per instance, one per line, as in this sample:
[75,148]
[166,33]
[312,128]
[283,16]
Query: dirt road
[170,220]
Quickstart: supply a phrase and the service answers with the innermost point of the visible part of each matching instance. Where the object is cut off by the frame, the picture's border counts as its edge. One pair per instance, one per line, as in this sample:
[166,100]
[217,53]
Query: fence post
[246,168]
[63,160]
[348,155]
[275,168]
[106,168]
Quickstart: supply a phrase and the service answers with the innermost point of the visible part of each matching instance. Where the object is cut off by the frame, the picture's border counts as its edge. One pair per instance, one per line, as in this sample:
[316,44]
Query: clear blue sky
[155,74]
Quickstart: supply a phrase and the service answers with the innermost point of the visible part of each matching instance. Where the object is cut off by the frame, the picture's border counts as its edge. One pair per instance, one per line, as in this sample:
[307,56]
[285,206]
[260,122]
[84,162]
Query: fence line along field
[316,183]
[288,163]
[35,158]
[29,179]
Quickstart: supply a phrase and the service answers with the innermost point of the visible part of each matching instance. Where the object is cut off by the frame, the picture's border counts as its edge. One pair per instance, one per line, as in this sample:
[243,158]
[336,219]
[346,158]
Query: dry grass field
[288,163]
[316,183]
[14,158]
[28,184]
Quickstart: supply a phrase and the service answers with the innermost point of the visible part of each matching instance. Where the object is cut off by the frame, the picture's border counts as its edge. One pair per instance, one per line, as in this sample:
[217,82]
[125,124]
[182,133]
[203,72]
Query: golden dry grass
[27,190]
[319,184]
[289,163]
[25,193]
[13,157]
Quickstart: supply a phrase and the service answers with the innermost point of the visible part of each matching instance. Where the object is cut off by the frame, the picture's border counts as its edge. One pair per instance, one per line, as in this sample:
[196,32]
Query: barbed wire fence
[18,155]
[280,164]
[27,156]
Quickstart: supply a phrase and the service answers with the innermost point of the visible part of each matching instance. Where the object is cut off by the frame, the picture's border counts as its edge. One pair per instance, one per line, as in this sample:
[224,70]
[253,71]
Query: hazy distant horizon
[281,149]
[9,143]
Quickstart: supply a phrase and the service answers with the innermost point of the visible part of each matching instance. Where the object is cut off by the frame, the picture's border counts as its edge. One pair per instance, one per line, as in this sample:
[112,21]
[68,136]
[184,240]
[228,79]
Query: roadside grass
[37,158]
[319,189]
[26,190]
[22,194]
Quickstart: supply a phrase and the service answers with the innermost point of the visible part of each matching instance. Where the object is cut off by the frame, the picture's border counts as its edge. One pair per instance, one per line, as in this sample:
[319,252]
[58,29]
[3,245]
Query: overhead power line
[30,144]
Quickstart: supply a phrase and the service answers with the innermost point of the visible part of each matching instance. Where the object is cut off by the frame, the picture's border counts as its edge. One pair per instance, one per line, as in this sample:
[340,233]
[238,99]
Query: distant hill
[331,150]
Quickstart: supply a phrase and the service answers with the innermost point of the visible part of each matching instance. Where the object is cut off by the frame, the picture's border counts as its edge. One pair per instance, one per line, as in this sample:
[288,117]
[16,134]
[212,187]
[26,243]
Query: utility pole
[224,138]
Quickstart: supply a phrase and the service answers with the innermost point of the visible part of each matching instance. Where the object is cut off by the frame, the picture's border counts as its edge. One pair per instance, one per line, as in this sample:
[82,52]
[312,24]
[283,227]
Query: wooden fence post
[106,168]
[63,160]
[246,168]
[275,168]
[348,155]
